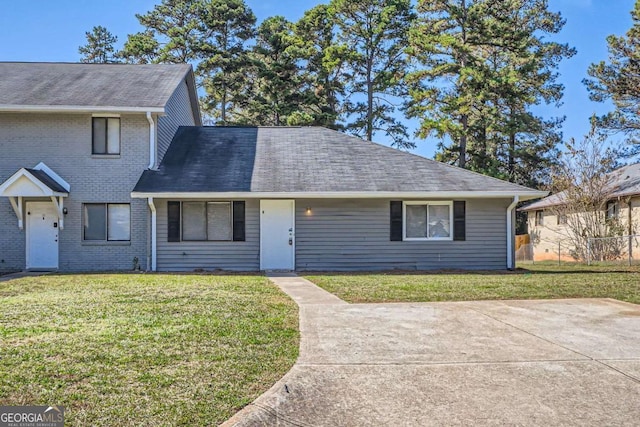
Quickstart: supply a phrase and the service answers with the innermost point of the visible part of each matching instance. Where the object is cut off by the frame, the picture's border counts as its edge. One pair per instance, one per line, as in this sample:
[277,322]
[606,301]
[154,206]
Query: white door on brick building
[42,236]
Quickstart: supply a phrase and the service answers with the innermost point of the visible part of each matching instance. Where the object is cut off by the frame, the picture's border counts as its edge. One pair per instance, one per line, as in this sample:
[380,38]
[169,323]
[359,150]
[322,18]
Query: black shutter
[173,221]
[396,220]
[459,221]
[238,222]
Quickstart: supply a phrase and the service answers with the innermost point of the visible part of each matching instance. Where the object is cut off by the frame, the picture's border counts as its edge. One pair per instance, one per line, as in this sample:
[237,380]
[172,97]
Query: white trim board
[77,109]
[343,195]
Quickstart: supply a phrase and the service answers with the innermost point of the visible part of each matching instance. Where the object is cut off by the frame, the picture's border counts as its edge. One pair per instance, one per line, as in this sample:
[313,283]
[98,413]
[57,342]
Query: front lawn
[134,349]
[537,281]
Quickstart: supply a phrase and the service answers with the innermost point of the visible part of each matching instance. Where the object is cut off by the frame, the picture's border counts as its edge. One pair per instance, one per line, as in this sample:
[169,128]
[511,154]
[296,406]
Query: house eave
[342,195]
[77,109]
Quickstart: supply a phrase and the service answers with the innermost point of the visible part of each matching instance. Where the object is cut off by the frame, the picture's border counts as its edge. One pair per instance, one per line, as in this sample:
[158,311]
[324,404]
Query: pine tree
[482,65]
[140,48]
[228,25]
[177,27]
[374,33]
[324,64]
[275,81]
[99,47]
[618,80]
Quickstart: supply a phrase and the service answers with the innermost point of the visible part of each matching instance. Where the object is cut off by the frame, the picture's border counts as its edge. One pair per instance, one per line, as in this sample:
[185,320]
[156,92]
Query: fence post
[559,253]
[588,251]
[629,249]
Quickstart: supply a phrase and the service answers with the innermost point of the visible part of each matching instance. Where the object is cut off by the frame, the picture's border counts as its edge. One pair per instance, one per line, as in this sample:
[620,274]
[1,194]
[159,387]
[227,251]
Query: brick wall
[63,142]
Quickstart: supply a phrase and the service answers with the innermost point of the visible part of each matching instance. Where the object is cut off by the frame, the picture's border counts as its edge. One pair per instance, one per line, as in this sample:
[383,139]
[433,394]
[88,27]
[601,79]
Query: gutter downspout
[154,230]
[152,141]
[510,234]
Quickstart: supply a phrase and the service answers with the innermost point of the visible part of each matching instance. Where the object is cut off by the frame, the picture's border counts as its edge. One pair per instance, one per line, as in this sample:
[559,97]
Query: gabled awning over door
[37,182]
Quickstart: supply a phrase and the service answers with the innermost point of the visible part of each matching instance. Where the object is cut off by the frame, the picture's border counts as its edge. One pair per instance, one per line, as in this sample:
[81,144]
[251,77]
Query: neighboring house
[548,229]
[75,139]
[308,198]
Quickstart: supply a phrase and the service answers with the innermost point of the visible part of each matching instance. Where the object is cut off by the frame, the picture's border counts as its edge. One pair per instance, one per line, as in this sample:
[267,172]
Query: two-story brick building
[74,140]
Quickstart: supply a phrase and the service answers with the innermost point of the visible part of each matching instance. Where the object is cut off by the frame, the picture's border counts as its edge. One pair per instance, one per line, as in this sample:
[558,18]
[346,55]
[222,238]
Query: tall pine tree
[324,61]
[374,33]
[100,46]
[618,80]
[482,65]
[177,26]
[228,25]
[275,82]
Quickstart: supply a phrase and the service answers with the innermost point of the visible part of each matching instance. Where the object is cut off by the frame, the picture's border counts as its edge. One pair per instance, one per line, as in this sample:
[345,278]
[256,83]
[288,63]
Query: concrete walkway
[549,362]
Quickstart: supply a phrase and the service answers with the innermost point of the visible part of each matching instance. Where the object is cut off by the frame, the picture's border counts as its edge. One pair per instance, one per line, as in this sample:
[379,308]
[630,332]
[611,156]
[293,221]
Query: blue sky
[45,30]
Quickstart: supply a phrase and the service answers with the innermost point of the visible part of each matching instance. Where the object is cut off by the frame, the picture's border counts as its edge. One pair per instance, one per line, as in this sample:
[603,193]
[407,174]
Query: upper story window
[613,209]
[428,220]
[539,218]
[106,135]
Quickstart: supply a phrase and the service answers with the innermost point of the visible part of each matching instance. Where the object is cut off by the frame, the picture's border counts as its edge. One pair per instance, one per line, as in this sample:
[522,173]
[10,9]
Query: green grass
[134,349]
[535,282]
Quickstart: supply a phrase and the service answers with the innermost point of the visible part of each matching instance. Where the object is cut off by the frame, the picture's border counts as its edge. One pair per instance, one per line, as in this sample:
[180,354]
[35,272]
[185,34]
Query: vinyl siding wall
[347,235]
[188,256]
[178,113]
[354,235]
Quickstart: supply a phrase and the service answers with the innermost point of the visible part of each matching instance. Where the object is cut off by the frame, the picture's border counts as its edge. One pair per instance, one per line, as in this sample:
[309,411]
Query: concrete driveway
[551,362]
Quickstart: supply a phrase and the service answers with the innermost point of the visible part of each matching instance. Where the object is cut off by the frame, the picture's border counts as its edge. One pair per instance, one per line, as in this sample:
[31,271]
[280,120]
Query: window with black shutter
[238,221]
[206,221]
[459,220]
[396,220]
[173,221]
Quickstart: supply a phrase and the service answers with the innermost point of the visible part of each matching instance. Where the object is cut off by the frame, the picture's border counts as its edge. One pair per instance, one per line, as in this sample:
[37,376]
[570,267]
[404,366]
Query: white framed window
[107,222]
[105,135]
[539,218]
[424,220]
[206,221]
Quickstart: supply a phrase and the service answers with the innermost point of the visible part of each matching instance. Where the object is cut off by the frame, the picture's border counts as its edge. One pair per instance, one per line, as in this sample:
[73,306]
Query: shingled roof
[622,182]
[102,87]
[304,160]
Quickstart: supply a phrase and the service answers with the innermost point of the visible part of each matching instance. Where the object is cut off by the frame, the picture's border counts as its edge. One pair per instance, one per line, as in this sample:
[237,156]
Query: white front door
[42,236]
[277,235]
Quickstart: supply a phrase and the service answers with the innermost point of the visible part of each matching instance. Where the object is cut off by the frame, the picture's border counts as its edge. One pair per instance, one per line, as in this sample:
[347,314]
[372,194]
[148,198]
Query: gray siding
[187,256]
[178,113]
[354,235]
[63,142]
[347,235]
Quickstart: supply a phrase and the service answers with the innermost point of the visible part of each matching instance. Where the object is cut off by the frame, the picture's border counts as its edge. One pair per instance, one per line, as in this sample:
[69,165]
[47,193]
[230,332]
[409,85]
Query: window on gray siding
[106,135]
[416,221]
[194,221]
[219,221]
[428,220]
[107,222]
[206,221]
